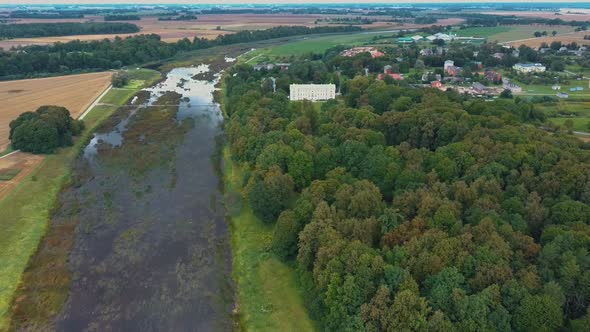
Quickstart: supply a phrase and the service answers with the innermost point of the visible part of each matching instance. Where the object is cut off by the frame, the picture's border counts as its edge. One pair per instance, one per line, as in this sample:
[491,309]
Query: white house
[449,64]
[312,92]
[529,67]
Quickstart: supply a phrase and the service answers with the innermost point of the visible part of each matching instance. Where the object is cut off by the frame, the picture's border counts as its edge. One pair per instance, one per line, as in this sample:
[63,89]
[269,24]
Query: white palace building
[312,92]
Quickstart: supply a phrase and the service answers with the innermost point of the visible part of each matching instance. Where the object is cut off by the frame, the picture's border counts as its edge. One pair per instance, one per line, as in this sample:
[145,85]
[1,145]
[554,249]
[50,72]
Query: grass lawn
[8,174]
[580,124]
[134,84]
[26,210]
[268,295]
[117,96]
[481,32]
[7,151]
[577,111]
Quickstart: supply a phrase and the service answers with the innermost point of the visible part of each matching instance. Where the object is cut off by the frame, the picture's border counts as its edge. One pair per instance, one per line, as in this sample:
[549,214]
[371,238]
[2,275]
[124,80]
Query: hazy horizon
[222,2]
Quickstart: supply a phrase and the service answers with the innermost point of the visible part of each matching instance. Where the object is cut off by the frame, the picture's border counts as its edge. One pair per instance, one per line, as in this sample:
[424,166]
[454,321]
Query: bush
[120,79]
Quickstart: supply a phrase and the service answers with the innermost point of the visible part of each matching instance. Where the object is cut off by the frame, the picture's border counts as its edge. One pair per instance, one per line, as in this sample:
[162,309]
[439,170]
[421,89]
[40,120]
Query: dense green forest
[31,30]
[410,209]
[77,56]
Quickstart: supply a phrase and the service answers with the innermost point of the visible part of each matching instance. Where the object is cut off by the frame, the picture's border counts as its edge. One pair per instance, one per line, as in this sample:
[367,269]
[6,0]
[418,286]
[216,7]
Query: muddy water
[152,246]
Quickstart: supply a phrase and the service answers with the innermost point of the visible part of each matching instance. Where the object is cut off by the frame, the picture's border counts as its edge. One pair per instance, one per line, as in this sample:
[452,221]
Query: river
[151,249]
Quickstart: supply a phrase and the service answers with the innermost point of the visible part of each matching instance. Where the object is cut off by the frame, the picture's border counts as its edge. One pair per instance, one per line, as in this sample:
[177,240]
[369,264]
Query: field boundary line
[95,102]
[9,154]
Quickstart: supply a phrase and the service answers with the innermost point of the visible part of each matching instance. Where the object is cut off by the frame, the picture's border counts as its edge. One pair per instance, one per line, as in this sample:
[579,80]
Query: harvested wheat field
[14,168]
[75,92]
[564,38]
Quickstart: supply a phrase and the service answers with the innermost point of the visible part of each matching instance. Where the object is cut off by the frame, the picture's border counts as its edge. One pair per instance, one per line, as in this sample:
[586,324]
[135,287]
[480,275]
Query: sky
[22,2]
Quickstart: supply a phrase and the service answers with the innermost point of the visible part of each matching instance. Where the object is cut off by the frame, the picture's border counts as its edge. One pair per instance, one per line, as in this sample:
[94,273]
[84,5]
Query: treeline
[63,29]
[414,209]
[495,20]
[77,56]
[122,18]
[45,14]
[178,18]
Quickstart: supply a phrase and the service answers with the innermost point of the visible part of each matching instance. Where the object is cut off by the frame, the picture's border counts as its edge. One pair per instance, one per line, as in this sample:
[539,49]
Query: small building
[512,87]
[436,84]
[426,52]
[405,40]
[283,66]
[449,63]
[417,38]
[544,50]
[312,92]
[264,66]
[529,68]
[562,95]
[556,87]
[395,76]
[498,56]
[579,88]
[563,49]
[492,76]
[479,88]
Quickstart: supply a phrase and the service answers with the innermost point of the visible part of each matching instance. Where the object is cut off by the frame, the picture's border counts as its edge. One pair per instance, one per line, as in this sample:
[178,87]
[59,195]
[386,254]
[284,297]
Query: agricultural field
[206,26]
[14,168]
[564,14]
[310,44]
[563,37]
[75,92]
[503,34]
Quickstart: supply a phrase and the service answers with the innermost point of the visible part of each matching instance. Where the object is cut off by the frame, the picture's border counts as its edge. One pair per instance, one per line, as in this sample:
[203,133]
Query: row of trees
[411,209]
[45,130]
[119,17]
[30,30]
[76,56]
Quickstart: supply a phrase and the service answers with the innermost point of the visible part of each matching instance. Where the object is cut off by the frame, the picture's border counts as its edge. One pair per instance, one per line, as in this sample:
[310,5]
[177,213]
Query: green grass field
[26,210]
[481,32]
[268,297]
[577,111]
[8,174]
[321,44]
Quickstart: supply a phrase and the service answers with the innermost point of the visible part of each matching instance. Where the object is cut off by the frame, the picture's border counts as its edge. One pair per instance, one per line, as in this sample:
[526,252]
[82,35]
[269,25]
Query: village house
[478,88]
[436,84]
[312,92]
[515,89]
[493,76]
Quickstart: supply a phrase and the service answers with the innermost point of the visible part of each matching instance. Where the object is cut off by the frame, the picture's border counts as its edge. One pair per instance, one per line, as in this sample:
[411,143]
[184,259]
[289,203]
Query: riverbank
[27,209]
[269,297]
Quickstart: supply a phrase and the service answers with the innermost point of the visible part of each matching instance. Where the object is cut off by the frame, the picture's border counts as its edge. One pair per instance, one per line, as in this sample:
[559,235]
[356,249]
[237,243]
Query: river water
[152,246]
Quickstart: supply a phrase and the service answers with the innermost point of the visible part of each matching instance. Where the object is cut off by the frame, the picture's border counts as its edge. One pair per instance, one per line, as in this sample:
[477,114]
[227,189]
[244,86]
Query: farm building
[405,40]
[312,92]
[562,95]
[529,67]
